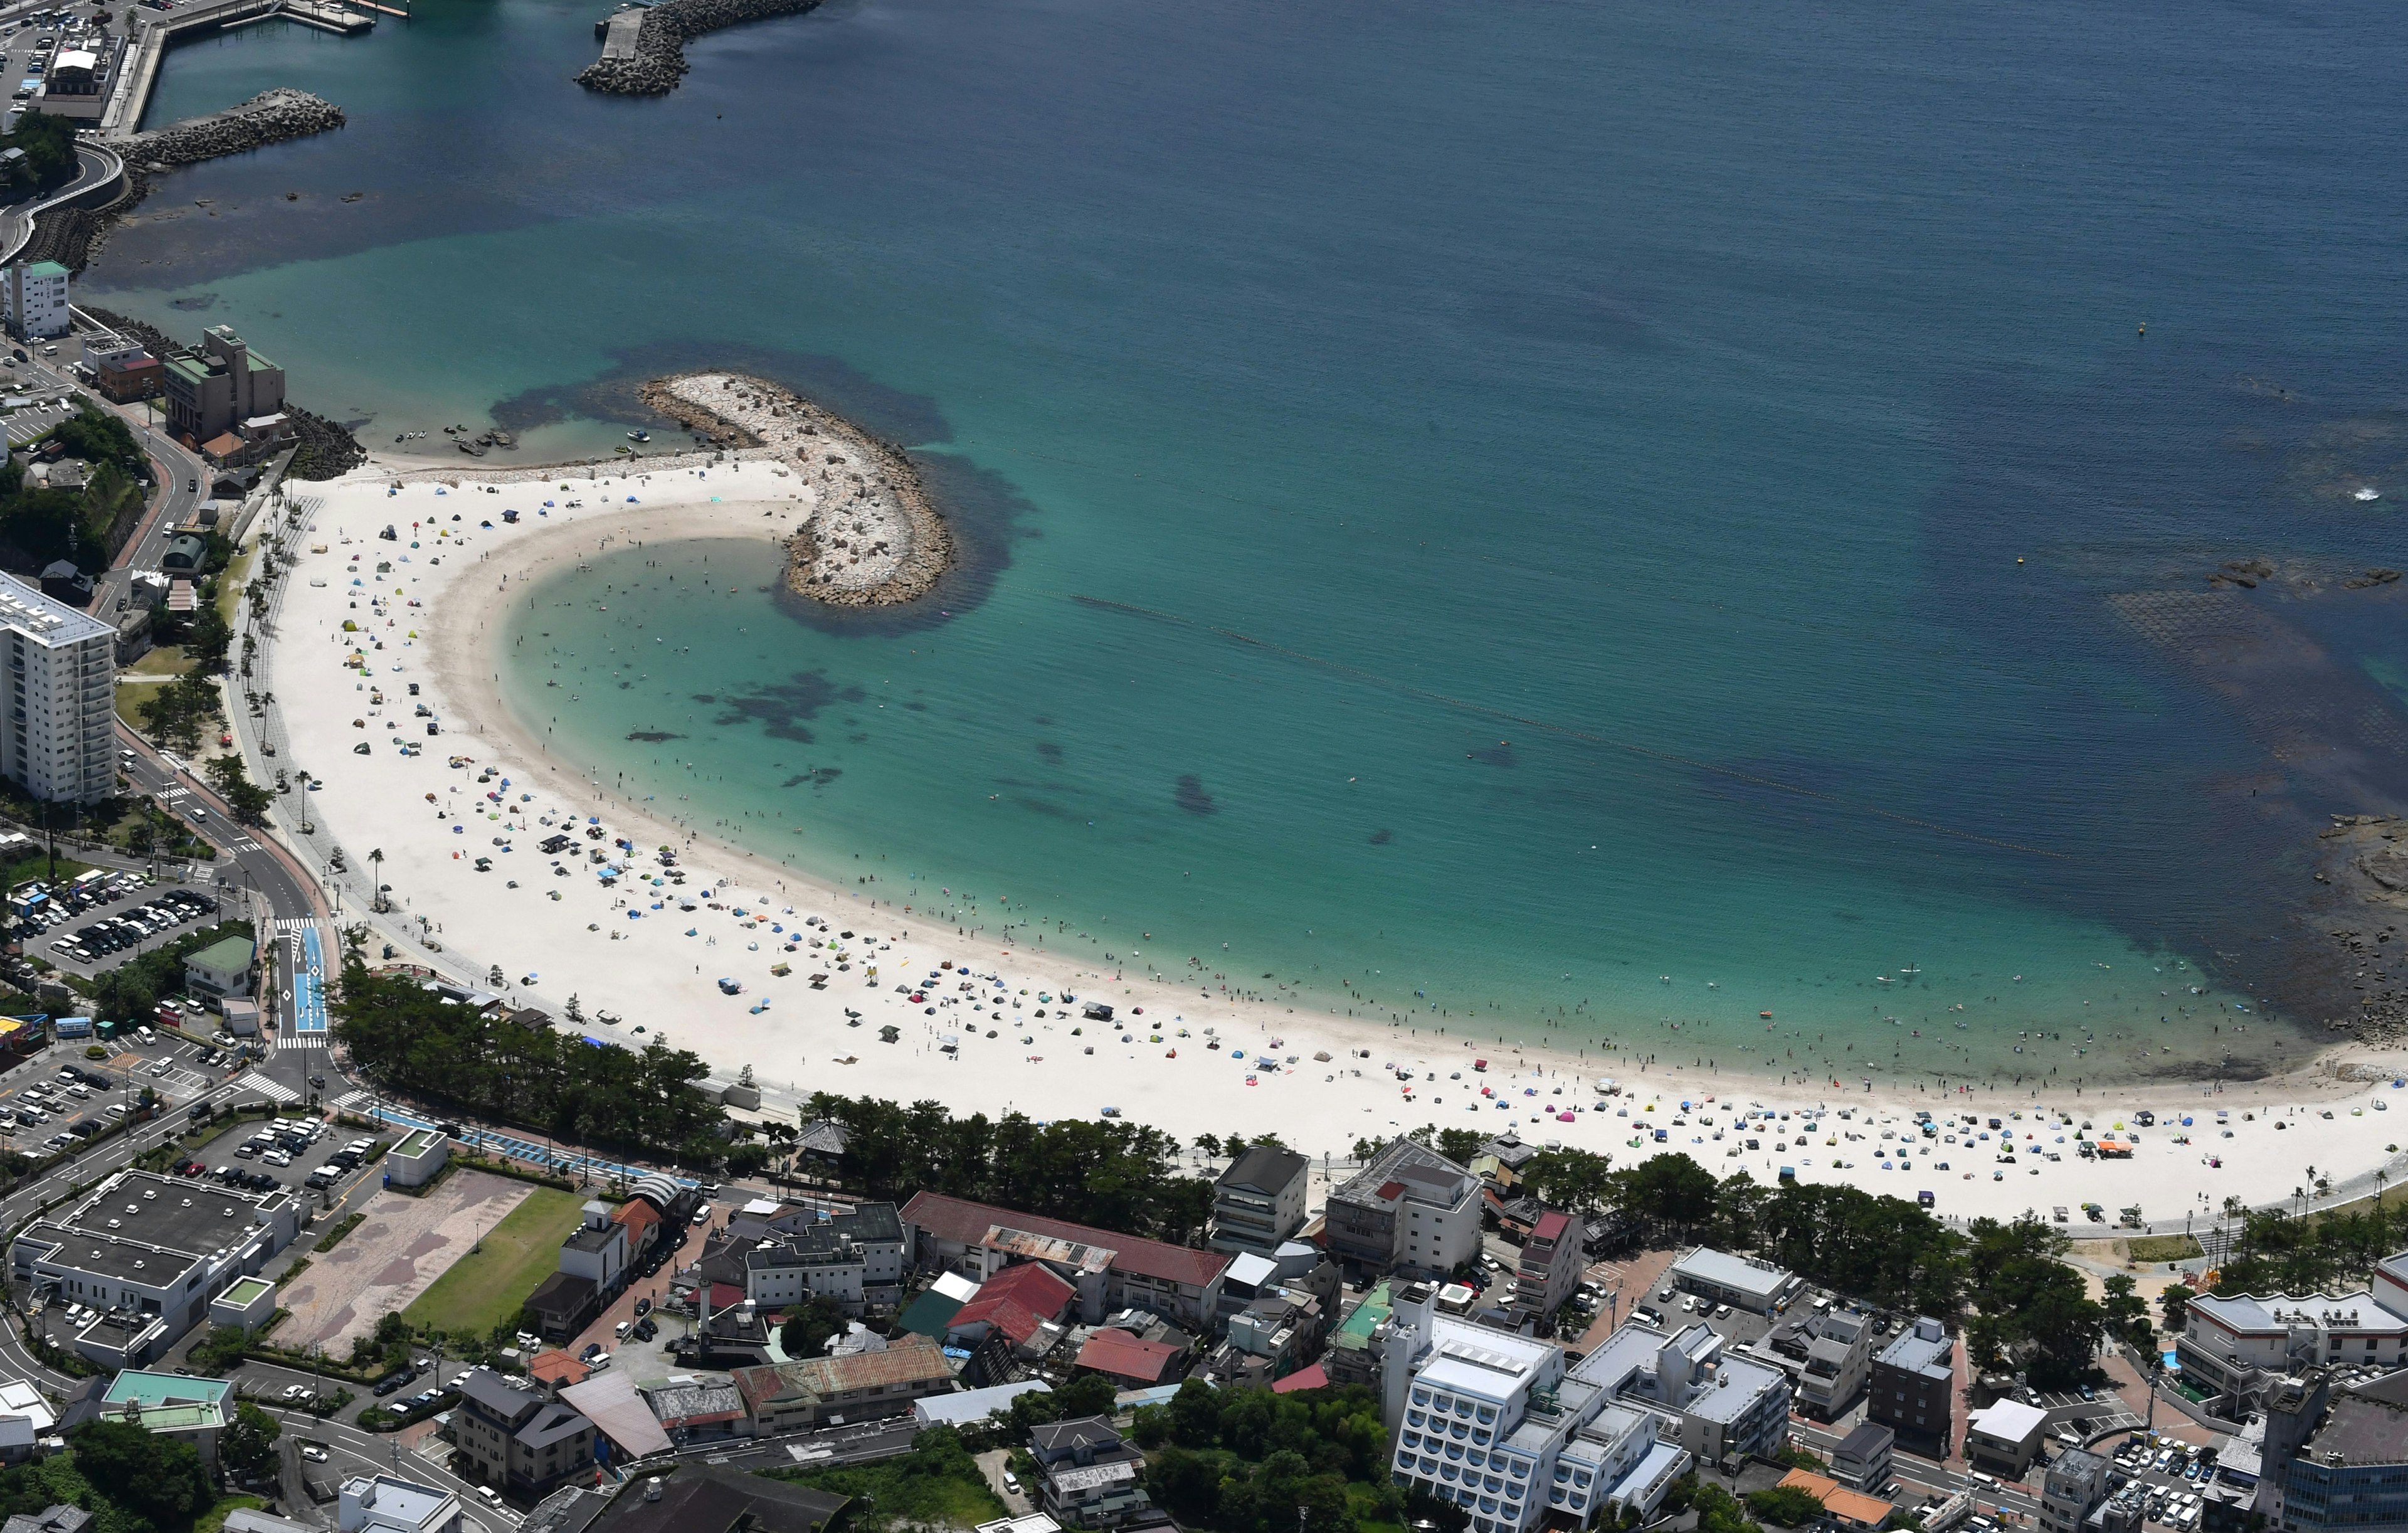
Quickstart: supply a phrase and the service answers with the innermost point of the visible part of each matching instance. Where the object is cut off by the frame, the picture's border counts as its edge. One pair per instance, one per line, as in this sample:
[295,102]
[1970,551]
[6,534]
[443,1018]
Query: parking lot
[112,918]
[46,1099]
[31,43]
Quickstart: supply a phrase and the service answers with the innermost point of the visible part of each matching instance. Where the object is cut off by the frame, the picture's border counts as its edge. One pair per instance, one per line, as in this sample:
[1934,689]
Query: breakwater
[871,537]
[72,236]
[657,59]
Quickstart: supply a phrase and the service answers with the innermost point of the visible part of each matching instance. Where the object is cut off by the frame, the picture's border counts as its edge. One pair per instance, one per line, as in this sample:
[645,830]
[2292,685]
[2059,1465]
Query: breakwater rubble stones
[659,61]
[870,536]
[271,117]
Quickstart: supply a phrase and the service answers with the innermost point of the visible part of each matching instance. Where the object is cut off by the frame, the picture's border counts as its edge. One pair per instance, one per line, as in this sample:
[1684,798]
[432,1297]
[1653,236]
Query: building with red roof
[1551,1265]
[1131,1361]
[1106,1270]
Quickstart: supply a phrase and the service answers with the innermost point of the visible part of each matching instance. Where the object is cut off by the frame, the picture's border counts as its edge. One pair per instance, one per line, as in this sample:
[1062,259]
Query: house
[1020,1303]
[193,1411]
[557,1369]
[150,1252]
[1410,1210]
[1107,1270]
[1502,1160]
[790,1397]
[1839,1360]
[1844,1509]
[1130,1361]
[385,1503]
[222,969]
[563,1305]
[1559,1450]
[696,1410]
[1914,1387]
[1862,1459]
[1259,1201]
[62,581]
[55,1519]
[1741,1281]
[1087,1475]
[25,1419]
[596,1250]
[713,1498]
[519,1441]
[1550,1269]
[2004,1438]
[622,1416]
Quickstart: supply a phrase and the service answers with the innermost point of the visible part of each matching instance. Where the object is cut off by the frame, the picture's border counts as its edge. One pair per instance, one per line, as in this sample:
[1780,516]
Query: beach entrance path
[395,1254]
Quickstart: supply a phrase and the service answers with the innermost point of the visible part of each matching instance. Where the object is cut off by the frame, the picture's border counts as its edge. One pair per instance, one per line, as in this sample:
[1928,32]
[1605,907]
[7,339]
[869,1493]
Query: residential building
[791,1397]
[1843,1508]
[1021,1307]
[2004,1438]
[1720,1407]
[519,1441]
[1354,1356]
[222,969]
[714,1498]
[1550,1269]
[693,1409]
[2075,1484]
[148,1253]
[1502,1160]
[25,1419]
[1087,1475]
[191,1410]
[1410,1210]
[1259,1201]
[596,1251]
[122,370]
[1914,1387]
[1131,1361]
[563,1305]
[61,1518]
[855,1258]
[221,392]
[1741,1281]
[626,1428]
[1109,1272]
[60,743]
[2233,1347]
[385,1503]
[1839,1360]
[1862,1459]
[34,299]
[1494,1423]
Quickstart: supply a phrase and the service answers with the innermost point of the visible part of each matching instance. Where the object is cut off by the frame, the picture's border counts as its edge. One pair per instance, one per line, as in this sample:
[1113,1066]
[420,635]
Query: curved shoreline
[826,555]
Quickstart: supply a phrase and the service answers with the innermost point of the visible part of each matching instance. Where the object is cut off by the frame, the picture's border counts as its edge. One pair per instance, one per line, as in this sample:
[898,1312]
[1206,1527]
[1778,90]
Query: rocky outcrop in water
[659,59]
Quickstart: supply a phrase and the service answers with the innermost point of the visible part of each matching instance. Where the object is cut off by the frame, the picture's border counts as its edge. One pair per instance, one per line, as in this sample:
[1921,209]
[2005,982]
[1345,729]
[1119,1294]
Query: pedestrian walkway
[307,965]
[275,1090]
[566,1161]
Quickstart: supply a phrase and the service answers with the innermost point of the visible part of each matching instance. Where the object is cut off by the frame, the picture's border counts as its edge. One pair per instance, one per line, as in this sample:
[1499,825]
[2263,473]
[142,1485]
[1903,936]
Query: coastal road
[94,164]
[1936,1480]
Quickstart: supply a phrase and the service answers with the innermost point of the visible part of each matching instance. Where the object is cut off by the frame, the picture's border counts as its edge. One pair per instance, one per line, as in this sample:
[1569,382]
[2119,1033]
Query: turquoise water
[1495,506]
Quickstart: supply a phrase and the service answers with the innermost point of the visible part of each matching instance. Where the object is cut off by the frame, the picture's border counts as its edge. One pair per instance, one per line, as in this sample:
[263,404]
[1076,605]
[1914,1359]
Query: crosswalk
[300,1040]
[276,1090]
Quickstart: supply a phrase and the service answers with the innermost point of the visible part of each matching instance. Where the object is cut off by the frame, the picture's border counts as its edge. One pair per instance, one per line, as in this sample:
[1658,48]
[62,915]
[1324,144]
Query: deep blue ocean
[1588,515]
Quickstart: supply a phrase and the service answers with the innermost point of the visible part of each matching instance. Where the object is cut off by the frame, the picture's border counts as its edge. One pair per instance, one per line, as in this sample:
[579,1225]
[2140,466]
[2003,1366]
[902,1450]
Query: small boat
[639,435]
[2367,492]
[1911,970]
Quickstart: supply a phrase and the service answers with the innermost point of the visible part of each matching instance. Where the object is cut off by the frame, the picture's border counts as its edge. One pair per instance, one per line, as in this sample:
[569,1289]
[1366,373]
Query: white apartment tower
[62,669]
[36,299]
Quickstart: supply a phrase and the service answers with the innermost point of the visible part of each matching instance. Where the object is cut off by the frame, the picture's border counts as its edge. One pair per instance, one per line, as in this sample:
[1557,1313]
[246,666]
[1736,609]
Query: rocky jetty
[270,117]
[870,536]
[659,59]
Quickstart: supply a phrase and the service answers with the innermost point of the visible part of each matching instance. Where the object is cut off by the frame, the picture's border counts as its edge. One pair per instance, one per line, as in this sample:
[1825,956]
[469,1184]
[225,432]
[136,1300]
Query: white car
[314,1454]
[493,1497]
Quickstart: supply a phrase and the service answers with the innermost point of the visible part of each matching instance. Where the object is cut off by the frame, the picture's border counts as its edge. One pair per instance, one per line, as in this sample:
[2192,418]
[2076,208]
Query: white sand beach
[985,1027]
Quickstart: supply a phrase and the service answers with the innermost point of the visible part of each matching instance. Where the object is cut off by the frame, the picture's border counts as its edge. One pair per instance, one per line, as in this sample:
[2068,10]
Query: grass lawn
[491,1284]
[131,696]
[2164,1248]
[168,660]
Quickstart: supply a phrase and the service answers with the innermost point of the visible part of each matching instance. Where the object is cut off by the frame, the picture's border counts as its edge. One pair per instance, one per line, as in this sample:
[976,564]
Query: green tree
[248,1445]
[2127,1312]
[2173,1302]
[806,1329]
[1460,1145]
[156,1477]
[1784,1504]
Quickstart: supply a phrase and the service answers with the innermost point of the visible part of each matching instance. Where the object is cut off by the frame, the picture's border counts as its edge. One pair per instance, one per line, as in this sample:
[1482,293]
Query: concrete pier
[154,32]
[619,38]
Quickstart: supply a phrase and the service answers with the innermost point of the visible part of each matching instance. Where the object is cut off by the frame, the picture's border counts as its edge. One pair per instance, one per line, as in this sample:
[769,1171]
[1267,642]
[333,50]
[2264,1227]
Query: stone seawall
[659,59]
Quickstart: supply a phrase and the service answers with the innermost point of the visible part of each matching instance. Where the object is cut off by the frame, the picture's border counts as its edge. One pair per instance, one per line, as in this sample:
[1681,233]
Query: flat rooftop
[2362,1432]
[148,1228]
[43,621]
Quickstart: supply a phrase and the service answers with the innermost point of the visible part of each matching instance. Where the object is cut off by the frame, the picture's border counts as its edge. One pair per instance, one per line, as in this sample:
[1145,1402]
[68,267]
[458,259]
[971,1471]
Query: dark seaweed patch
[1040,806]
[783,708]
[1499,754]
[1191,796]
[1051,752]
[654,736]
[1381,838]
